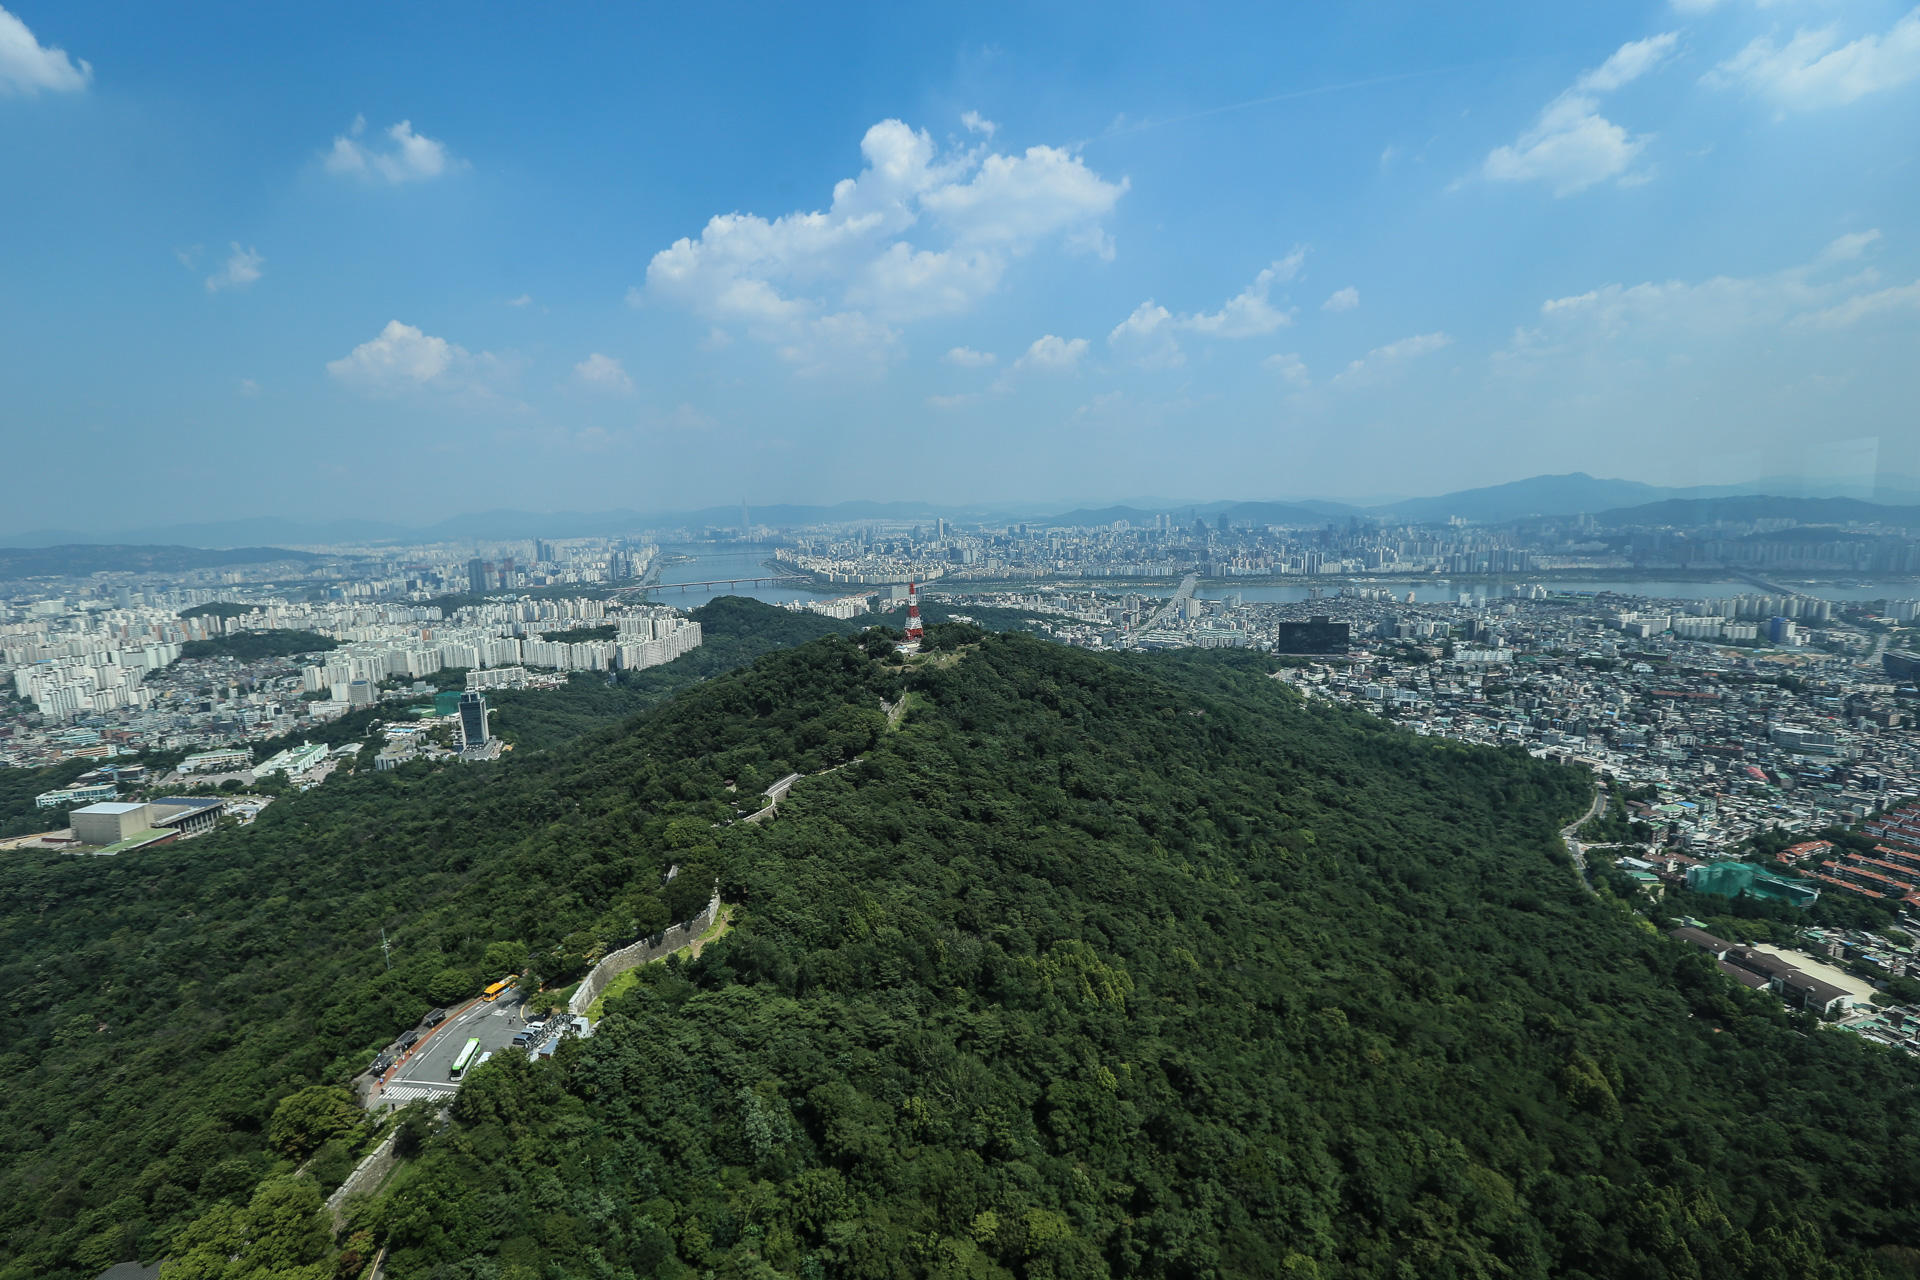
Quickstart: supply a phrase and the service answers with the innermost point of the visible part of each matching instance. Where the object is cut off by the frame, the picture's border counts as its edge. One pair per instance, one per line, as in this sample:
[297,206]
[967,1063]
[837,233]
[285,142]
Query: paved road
[1574,847]
[1188,585]
[424,1074]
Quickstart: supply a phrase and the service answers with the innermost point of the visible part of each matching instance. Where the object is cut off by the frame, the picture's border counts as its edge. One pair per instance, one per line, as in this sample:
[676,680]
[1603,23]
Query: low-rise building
[218,761]
[87,794]
[111,822]
[294,761]
[188,815]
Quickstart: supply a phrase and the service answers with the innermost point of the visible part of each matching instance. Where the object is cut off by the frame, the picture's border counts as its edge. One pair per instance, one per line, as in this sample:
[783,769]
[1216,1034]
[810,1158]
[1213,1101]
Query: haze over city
[404,265]
[1008,641]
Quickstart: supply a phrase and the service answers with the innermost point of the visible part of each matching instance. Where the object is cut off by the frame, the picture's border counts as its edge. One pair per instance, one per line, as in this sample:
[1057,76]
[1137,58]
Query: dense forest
[251,646]
[735,631]
[19,814]
[1086,966]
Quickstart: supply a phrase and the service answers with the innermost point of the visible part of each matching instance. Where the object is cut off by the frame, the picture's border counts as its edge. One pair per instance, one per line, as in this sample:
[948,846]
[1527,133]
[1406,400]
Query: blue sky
[405,261]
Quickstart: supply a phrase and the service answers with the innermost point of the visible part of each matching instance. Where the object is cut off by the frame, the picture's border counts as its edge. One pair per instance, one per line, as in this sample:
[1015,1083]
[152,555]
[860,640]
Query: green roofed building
[446,702]
[1731,879]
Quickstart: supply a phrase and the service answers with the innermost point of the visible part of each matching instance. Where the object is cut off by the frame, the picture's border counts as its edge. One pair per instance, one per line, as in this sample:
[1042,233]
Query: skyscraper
[473,720]
[477,576]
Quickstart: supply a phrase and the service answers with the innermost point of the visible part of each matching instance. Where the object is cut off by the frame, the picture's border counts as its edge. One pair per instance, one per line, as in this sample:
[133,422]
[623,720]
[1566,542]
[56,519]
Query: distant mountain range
[1543,497]
[16,563]
[1536,497]
[499,525]
[1705,511]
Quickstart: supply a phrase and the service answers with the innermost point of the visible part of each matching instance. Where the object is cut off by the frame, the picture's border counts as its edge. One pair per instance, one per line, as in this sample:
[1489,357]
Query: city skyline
[991,258]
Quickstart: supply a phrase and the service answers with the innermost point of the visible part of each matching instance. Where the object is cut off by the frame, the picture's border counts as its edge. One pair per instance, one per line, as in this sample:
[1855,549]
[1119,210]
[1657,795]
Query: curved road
[1568,834]
[1188,585]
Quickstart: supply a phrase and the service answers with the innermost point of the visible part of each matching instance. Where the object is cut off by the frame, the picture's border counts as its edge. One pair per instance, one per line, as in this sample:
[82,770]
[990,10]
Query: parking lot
[425,1071]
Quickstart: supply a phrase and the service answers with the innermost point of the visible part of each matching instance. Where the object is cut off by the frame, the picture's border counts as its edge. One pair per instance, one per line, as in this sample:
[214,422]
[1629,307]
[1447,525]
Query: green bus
[465,1060]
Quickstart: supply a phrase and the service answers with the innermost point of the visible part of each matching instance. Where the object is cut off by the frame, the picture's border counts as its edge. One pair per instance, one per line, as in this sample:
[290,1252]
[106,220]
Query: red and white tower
[914,634]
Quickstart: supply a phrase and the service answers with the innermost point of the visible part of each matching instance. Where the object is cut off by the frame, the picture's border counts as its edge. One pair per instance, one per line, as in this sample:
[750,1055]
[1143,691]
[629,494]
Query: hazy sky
[411,260]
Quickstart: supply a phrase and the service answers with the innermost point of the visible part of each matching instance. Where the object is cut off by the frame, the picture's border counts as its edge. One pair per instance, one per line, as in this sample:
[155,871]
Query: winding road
[1569,834]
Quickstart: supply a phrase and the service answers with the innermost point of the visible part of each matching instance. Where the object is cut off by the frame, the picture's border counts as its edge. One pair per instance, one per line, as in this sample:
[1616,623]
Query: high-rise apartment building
[473,720]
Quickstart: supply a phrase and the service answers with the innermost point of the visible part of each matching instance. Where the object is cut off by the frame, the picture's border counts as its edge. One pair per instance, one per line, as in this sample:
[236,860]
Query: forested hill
[1089,967]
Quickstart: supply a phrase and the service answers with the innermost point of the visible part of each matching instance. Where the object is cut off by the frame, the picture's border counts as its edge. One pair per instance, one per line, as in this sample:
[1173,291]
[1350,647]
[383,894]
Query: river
[708,561]
[1427,592]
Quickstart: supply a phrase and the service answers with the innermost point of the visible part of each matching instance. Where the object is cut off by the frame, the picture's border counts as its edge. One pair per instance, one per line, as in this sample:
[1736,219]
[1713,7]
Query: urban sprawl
[1771,694]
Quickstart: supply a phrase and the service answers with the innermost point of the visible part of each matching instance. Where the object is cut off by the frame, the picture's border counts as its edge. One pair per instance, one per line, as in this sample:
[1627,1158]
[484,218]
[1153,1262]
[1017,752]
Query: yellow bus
[493,992]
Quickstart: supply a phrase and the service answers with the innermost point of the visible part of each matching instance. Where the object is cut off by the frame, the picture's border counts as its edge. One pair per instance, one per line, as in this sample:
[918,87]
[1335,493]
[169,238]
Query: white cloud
[1572,146]
[1628,63]
[798,280]
[977,123]
[1809,72]
[1342,300]
[27,66]
[1053,354]
[1105,402]
[524,300]
[1249,314]
[1394,353]
[413,157]
[1149,333]
[845,343]
[1017,200]
[248,387]
[402,357]
[1904,297]
[1418,345]
[685,420]
[241,269]
[1289,366]
[1093,240]
[1849,247]
[1148,319]
[603,372]
[1675,314]
[968,358]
